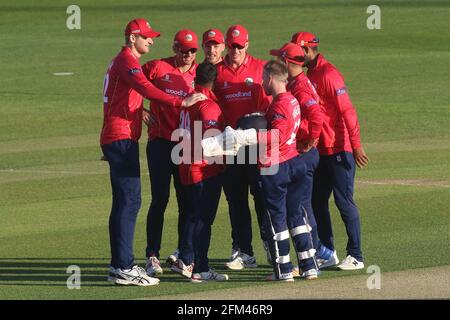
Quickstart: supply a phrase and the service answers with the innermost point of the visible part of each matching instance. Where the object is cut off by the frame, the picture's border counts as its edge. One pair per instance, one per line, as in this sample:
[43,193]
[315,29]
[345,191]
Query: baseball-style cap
[141,26]
[305,39]
[290,52]
[186,39]
[236,34]
[213,35]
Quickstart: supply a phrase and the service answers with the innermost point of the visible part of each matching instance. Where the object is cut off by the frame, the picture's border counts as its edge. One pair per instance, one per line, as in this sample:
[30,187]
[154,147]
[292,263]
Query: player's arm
[314,113]
[339,92]
[133,75]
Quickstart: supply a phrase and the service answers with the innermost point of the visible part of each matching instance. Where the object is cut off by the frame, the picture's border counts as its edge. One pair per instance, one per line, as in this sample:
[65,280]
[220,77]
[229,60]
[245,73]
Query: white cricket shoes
[134,276]
[173,257]
[350,263]
[234,254]
[310,274]
[153,267]
[209,276]
[242,261]
[330,262]
[286,277]
[185,270]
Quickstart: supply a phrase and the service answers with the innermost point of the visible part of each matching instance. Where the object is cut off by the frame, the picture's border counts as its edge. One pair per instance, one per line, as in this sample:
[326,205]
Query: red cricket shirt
[284,115]
[239,90]
[312,112]
[340,130]
[123,88]
[208,115]
[165,75]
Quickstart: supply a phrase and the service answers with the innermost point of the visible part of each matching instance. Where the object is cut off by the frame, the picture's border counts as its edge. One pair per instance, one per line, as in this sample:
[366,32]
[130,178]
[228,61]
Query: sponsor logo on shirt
[134,70]
[341,91]
[179,93]
[310,102]
[238,95]
[210,123]
[226,85]
[249,81]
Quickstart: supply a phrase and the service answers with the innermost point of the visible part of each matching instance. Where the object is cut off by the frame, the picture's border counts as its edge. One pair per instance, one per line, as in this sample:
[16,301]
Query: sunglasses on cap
[235,46]
[315,40]
[192,50]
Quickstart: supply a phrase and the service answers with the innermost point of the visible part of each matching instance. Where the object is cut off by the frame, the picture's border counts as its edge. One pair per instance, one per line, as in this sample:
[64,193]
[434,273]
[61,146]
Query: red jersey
[312,112]
[239,90]
[165,75]
[340,130]
[284,115]
[123,88]
[205,115]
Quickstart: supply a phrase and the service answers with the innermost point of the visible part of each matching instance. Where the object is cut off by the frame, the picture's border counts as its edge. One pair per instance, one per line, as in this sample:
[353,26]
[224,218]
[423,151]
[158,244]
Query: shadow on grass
[52,271]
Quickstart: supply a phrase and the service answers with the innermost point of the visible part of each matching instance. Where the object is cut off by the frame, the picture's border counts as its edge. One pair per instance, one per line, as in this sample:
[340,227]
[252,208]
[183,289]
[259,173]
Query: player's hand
[305,146]
[222,144]
[245,137]
[193,99]
[361,158]
[148,118]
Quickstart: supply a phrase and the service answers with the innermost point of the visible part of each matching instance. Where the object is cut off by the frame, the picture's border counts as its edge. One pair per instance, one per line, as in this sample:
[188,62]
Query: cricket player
[238,88]
[340,149]
[308,134]
[282,178]
[124,88]
[213,44]
[201,181]
[175,76]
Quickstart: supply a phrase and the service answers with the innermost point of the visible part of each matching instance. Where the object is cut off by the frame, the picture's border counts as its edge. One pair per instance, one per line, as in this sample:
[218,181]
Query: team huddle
[238,124]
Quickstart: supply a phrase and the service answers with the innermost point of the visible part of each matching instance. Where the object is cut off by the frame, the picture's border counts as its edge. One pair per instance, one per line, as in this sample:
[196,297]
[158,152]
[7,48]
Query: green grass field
[55,193]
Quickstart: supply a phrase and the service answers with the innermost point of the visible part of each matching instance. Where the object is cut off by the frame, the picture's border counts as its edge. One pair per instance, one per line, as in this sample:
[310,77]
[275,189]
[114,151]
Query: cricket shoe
[286,277]
[350,263]
[112,274]
[326,258]
[135,276]
[185,270]
[153,267]
[173,257]
[209,276]
[310,274]
[234,253]
[242,261]
[296,272]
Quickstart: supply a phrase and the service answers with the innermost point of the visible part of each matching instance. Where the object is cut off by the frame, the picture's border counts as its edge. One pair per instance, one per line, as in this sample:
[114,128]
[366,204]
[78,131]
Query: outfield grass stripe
[41,144]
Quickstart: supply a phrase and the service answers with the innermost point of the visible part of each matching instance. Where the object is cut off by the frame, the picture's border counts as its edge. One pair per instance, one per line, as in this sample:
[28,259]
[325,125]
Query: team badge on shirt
[249,81]
[341,91]
[134,70]
[166,78]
